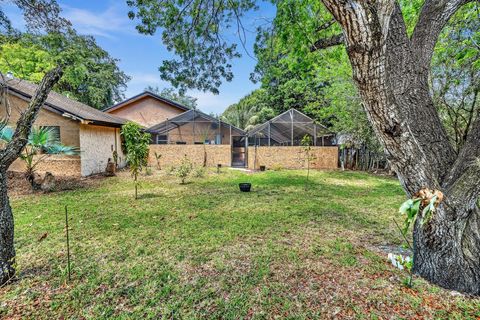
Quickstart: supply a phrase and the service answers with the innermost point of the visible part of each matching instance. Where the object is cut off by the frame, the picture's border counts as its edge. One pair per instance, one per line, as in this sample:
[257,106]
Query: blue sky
[140,55]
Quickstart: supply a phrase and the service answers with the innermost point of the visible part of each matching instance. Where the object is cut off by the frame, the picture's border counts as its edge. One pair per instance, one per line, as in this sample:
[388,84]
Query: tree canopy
[92,75]
[172,94]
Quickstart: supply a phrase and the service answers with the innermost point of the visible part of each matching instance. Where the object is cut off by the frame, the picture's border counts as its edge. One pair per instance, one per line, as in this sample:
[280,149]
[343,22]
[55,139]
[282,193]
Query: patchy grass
[205,250]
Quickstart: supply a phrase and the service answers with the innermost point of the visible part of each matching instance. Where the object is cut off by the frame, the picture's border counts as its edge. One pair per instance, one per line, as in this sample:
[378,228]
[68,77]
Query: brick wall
[172,155]
[56,164]
[292,157]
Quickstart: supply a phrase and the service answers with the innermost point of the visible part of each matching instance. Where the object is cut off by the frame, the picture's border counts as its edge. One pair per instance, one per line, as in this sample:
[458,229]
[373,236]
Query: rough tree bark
[391,72]
[7,155]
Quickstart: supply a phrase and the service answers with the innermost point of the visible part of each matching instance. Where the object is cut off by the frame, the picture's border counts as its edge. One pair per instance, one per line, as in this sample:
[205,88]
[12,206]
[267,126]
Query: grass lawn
[205,250]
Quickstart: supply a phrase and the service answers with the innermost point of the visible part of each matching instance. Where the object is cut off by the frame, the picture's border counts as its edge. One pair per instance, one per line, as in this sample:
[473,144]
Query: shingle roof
[147,94]
[64,105]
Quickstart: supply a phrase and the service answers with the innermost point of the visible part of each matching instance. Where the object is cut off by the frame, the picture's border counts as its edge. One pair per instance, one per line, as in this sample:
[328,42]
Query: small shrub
[277,167]
[199,172]
[184,170]
[170,170]
[148,171]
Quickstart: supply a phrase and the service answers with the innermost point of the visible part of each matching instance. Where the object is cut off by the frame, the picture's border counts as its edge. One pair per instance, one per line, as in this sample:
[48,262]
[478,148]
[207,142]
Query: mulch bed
[19,186]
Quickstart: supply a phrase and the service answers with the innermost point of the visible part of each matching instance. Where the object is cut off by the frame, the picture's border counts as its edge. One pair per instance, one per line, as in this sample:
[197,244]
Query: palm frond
[61,149]
[6,134]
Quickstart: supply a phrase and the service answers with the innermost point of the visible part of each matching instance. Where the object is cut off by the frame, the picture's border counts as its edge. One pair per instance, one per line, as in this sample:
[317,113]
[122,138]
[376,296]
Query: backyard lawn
[205,250]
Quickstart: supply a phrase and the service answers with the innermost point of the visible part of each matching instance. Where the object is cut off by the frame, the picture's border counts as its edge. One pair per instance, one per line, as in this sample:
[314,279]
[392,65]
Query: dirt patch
[19,186]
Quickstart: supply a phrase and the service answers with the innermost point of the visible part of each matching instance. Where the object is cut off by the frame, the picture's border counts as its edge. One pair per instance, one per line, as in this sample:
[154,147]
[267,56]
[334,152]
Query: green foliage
[184,170]
[193,31]
[171,94]
[91,75]
[199,172]
[410,209]
[455,77]
[136,143]
[42,143]
[251,110]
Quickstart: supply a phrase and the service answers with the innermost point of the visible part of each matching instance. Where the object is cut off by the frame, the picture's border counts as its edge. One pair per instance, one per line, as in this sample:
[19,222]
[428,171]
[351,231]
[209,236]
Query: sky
[141,55]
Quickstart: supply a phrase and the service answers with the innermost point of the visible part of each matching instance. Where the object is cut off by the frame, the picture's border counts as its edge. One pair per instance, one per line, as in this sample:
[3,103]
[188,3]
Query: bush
[170,170]
[184,170]
[199,172]
[277,167]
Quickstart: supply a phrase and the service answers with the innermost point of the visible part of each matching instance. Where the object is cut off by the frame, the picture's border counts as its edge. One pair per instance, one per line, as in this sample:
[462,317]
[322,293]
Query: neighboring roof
[65,106]
[188,117]
[280,127]
[147,94]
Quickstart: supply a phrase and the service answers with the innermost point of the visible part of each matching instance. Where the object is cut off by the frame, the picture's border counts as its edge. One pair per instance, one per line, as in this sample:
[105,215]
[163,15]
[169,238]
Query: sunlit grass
[205,250]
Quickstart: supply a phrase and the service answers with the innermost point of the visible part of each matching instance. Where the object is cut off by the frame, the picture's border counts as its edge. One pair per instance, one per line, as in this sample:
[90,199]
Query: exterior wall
[69,129]
[203,131]
[97,144]
[146,111]
[55,164]
[285,157]
[172,155]
[292,157]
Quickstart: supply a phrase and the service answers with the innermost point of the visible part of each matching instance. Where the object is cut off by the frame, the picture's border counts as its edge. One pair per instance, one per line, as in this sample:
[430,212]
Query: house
[147,109]
[95,133]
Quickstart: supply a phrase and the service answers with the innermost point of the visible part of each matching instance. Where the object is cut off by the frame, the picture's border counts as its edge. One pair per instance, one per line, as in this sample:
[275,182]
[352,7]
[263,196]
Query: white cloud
[112,21]
[209,102]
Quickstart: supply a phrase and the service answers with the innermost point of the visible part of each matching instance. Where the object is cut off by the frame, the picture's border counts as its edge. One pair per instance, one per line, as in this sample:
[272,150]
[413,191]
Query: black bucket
[245,187]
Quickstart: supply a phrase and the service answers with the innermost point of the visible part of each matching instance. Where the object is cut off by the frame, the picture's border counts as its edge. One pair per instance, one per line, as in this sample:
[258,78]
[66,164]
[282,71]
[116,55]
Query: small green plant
[148,171]
[42,143]
[157,158]
[277,167]
[136,144]
[170,170]
[199,172]
[184,170]
[428,200]
[307,150]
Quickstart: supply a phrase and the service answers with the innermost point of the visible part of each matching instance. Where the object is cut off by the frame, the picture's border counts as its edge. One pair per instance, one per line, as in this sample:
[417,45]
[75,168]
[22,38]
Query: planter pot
[245,187]
[263,168]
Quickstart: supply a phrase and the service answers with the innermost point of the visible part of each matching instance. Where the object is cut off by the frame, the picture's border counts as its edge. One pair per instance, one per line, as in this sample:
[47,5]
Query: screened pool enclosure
[288,129]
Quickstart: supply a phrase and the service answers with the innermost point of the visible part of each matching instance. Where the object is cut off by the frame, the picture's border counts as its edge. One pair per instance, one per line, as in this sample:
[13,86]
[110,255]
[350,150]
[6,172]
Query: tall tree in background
[40,15]
[171,94]
[391,69]
[93,77]
[251,110]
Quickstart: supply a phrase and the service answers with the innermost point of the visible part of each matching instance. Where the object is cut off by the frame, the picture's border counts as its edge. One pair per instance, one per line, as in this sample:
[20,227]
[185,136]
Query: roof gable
[143,95]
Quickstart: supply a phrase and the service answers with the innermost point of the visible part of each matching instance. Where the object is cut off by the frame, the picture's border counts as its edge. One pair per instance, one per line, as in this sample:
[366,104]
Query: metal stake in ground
[68,245]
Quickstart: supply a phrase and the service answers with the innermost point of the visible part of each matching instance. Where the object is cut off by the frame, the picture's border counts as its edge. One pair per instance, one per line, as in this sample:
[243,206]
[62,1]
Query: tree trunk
[448,252]
[391,72]
[9,154]
[7,250]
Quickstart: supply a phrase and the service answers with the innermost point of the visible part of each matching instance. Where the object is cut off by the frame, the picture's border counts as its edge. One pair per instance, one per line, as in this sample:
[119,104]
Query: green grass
[205,250]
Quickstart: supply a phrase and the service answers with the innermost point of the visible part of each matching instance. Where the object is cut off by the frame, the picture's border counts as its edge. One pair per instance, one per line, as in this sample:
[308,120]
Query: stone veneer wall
[172,154]
[292,157]
[97,144]
[56,164]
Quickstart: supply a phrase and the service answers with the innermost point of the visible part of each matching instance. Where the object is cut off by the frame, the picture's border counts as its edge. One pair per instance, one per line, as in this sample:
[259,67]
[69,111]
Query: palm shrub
[42,143]
[136,144]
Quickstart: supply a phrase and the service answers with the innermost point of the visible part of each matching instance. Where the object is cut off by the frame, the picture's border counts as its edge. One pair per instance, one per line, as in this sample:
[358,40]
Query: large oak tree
[391,72]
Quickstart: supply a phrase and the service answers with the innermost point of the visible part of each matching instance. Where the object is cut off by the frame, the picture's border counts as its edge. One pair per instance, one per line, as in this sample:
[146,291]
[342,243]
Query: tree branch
[433,17]
[24,124]
[328,42]
[463,182]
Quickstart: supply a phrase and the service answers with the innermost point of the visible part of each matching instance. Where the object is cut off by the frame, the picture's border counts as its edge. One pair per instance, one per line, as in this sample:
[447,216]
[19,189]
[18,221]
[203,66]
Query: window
[55,132]
[162,139]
